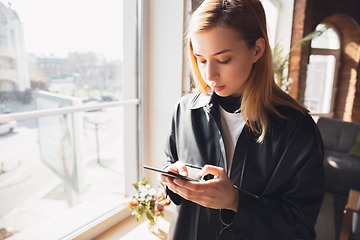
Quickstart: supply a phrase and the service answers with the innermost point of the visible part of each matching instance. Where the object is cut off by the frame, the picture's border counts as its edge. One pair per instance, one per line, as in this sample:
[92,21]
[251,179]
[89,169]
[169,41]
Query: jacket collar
[206,101]
[200,100]
[209,103]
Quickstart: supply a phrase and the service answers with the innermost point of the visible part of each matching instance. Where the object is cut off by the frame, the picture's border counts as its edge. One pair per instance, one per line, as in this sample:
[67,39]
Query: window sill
[84,221]
[130,229]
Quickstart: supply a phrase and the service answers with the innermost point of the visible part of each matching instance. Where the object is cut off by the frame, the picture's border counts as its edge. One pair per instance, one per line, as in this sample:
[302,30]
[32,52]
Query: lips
[217,88]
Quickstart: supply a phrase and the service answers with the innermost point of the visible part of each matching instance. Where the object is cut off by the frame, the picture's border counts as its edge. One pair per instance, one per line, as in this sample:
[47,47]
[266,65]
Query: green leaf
[136,186]
[144,182]
[161,214]
[148,206]
[148,215]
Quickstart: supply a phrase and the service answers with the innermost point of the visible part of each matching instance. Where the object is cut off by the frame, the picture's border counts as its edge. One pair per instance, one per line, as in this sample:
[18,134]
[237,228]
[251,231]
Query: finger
[191,185]
[172,168]
[189,194]
[161,177]
[164,178]
[213,170]
[177,167]
[182,170]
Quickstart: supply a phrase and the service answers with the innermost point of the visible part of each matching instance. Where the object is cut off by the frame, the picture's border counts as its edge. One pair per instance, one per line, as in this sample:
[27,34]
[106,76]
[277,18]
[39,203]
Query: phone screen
[169,173]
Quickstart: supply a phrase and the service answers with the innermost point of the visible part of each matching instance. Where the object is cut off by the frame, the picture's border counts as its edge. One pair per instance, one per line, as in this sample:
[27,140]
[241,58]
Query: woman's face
[224,60]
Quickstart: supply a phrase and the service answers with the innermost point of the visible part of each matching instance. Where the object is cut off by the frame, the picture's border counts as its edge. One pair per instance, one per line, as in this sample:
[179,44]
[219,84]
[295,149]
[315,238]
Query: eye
[224,62]
[201,61]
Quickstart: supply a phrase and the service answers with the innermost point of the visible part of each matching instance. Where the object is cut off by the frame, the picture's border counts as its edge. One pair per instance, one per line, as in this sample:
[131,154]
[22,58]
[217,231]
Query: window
[3,20]
[3,37]
[328,40]
[322,72]
[3,40]
[73,92]
[320,77]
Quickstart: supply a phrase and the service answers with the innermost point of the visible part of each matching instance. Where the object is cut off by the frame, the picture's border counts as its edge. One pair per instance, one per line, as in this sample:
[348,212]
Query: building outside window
[70,87]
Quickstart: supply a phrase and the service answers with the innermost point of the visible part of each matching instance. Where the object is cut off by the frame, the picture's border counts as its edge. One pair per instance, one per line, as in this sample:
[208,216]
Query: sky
[58,27]
[61,26]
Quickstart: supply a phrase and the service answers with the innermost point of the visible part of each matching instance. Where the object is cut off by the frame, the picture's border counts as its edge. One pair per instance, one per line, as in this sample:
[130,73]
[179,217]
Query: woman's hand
[217,193]
[178,167]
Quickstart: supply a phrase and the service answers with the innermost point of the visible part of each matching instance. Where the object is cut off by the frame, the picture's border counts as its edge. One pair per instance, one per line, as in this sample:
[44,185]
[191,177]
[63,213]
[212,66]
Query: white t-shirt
[232,125]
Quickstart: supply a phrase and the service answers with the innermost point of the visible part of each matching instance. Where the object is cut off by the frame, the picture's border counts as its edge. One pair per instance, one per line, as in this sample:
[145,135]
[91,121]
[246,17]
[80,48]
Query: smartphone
[169,173]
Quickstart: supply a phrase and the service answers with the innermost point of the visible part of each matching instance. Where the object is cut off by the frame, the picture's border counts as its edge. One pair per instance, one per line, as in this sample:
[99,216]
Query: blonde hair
[261,93]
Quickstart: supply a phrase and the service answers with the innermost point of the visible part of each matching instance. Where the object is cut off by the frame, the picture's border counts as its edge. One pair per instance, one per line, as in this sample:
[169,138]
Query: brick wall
[297,35]
[344,17]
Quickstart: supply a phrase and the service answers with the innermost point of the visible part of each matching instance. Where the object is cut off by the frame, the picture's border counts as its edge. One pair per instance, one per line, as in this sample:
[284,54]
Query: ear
[259,49]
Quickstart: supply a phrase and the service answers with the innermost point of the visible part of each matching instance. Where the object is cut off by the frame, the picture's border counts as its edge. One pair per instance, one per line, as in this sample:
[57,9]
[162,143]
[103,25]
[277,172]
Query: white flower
[143,195]
[152,192]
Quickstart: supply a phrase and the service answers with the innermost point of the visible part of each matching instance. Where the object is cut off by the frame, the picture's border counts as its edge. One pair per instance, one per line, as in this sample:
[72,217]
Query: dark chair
[351,222]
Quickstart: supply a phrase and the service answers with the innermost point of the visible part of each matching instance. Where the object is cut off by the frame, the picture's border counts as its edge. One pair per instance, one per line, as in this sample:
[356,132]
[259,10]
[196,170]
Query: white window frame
[337,54]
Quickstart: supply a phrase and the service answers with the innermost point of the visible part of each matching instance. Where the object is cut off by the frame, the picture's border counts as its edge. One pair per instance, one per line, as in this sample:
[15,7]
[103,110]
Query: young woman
[261,149]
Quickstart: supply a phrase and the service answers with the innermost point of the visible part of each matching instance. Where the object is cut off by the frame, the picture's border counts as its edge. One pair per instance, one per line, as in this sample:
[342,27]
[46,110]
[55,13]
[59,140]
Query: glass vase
[153,226]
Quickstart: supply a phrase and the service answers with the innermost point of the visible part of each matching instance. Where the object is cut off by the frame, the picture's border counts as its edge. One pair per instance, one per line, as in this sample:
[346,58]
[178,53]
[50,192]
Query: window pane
[62,47]
[328,40]
[319,83]
[40,176]
[56,54]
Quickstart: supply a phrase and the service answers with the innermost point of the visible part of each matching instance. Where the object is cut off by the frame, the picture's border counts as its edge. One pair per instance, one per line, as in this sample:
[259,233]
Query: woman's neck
[230,103]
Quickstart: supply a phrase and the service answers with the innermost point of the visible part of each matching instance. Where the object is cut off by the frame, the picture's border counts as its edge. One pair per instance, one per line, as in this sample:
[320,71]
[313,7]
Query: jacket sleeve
[290,210]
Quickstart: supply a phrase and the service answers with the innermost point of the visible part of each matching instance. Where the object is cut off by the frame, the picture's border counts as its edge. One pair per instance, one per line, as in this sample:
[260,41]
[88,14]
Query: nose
[212,72]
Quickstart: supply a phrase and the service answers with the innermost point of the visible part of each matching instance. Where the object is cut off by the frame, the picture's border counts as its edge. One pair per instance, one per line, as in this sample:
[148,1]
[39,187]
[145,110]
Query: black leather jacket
[280,181]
